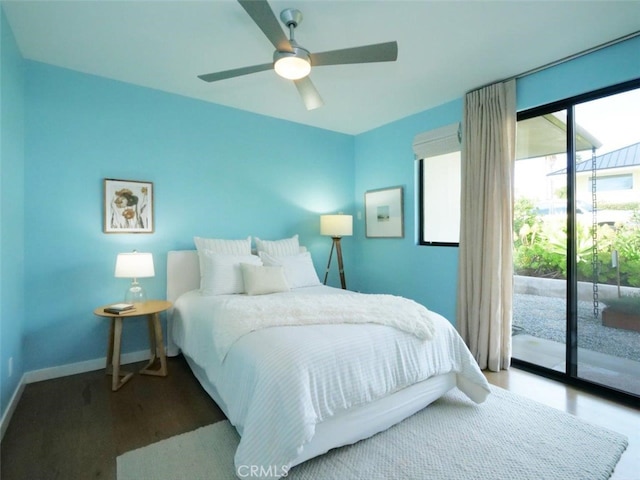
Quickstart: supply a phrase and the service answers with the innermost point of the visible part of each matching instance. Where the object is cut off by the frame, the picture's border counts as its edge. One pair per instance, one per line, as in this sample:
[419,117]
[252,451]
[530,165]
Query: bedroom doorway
[577,241]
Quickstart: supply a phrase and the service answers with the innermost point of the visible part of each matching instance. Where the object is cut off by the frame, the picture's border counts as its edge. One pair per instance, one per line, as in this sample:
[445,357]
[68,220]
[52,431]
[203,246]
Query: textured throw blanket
[236,316]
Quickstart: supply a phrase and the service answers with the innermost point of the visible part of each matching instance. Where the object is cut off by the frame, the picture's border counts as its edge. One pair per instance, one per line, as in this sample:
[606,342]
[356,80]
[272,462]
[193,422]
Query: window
[440,206]
[610,183]
[438,154]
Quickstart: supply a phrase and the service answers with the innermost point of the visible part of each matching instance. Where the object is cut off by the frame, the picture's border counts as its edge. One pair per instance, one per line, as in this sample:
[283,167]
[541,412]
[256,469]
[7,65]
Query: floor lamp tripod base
[338,248]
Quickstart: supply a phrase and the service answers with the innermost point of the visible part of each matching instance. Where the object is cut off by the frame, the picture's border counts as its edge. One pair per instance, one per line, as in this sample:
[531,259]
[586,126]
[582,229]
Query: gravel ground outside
[544,317]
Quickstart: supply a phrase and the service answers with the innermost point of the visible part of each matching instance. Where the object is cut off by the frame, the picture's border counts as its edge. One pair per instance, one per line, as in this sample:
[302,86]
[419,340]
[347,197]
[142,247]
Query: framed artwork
[384,216]
[128,206]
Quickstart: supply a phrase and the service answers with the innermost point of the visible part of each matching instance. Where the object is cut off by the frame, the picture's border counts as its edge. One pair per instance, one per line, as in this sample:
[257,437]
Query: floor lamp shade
[134,265]
[336,226]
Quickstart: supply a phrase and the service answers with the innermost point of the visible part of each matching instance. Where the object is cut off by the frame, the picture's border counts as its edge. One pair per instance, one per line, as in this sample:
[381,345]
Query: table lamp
[134,265]
[336,226]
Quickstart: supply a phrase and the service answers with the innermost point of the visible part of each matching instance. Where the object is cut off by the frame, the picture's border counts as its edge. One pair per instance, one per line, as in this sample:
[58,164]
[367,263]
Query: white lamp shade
[336,225]
[134,265]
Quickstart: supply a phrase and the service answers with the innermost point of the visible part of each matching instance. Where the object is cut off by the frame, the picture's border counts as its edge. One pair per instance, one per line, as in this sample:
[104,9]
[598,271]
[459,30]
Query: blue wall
[610,66]
[11,212]
[216,171]
[384,157]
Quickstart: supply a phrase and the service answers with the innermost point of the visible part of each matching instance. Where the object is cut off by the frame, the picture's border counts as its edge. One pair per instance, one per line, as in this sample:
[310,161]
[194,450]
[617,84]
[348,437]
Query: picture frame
[128,206]
[384,212]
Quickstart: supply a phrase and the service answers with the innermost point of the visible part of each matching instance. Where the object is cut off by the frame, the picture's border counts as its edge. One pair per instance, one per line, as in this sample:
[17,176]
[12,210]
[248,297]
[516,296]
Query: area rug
[508,437]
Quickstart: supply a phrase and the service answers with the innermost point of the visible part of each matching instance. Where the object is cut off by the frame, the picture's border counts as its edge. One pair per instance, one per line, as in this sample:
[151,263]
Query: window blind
[436,142]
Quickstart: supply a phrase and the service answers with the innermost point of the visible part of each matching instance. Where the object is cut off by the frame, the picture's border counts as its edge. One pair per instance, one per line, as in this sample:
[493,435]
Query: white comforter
[277,383]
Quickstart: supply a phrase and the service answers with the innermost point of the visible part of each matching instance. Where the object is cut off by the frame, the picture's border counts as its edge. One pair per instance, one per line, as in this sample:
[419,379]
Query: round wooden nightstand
[151,309]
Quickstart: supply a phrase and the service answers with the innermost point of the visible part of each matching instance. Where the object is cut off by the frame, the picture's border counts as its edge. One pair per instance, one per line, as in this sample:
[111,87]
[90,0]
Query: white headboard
[183,275]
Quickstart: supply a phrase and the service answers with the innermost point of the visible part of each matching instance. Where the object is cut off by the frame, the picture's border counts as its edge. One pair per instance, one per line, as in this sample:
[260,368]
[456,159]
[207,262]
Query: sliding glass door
[577,239]
[540,241]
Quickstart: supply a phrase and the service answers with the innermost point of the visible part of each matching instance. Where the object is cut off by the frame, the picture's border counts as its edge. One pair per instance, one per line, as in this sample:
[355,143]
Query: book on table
[119,308]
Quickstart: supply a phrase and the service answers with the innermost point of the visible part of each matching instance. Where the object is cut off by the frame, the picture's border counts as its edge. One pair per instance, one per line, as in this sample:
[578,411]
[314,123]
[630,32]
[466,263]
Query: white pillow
[298,269]
[279,248]
[220,274]
[259,280]
[219,245]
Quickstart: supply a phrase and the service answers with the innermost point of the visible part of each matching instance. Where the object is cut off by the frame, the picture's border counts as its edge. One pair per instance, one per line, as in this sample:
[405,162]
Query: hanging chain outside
[594,232]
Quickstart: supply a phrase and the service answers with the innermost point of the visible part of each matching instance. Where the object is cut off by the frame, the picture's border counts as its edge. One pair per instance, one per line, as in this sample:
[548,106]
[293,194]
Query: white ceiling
[445,48]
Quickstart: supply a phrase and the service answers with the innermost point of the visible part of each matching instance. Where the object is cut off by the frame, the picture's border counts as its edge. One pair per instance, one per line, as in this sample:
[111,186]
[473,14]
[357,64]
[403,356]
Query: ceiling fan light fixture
[292,65]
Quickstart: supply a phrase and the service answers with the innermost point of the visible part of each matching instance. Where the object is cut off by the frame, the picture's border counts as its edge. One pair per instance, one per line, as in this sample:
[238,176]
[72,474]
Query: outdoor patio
[608,356]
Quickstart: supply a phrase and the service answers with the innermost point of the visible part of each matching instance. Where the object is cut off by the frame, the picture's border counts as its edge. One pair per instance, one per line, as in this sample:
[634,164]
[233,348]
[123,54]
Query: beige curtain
[485,274]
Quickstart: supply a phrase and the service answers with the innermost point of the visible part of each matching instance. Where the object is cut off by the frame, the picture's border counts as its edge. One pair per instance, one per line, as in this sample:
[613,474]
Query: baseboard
[11,407]
[82,367]
[61,371]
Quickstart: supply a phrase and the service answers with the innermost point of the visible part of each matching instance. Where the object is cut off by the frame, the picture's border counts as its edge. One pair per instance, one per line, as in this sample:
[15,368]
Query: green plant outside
[540,247]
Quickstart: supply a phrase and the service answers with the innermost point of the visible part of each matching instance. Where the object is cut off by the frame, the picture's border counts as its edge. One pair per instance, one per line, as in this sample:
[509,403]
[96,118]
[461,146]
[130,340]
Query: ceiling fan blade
[309,94]
[379,52]
[262,15]
[236,72]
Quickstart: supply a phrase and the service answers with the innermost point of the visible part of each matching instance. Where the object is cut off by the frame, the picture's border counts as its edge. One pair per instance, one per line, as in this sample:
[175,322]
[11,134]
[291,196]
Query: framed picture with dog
[128,206]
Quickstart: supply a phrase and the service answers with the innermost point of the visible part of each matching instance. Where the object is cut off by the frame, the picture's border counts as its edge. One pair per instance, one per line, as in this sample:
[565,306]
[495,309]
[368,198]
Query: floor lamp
[336,226]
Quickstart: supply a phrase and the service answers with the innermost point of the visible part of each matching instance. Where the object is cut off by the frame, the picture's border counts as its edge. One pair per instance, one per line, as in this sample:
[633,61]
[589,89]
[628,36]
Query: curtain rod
[566,59]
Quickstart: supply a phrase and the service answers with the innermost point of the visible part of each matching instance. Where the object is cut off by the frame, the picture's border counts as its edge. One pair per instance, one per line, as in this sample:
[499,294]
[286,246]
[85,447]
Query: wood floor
[75,427]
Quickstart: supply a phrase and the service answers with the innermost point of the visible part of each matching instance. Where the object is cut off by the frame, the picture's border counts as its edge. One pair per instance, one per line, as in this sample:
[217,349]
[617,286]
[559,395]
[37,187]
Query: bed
[295,392]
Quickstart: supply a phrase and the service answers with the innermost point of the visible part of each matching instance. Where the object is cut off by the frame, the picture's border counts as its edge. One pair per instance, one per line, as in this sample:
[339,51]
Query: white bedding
[277,383]
[233,316]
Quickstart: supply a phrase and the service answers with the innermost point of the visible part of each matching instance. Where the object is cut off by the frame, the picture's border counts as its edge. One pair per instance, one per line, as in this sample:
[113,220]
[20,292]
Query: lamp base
[135,294]
[338,248]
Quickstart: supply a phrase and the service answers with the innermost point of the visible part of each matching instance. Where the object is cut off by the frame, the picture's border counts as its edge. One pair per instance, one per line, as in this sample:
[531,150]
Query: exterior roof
[547,135]
[623,157]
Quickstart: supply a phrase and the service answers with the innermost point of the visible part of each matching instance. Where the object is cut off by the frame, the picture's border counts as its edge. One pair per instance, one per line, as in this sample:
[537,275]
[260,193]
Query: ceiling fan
[293,61]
